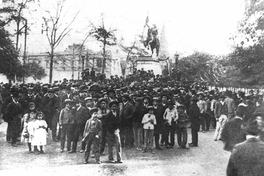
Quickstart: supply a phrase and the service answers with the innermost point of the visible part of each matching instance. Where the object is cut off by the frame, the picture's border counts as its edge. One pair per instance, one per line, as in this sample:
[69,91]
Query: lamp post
[176,64]
[83,56]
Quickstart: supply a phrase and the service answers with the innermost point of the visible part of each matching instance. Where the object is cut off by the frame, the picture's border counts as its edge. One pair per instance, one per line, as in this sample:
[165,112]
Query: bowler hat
[15,94]
[170,102]
[147,97]
[125,95]
[88,98]
[156,99]
[67,101]
[150,107]
[194,98]
[93,110]
[180,106]
[101,100]
[113,102]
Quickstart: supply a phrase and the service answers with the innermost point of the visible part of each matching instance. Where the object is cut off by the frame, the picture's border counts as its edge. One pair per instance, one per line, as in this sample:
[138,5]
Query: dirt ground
[209,159]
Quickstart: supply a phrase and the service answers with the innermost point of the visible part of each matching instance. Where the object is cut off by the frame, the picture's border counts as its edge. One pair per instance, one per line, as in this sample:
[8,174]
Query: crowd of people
[143,111]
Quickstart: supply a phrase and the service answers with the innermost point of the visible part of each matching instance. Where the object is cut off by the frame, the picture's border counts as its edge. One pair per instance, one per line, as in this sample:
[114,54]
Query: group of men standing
[120,112]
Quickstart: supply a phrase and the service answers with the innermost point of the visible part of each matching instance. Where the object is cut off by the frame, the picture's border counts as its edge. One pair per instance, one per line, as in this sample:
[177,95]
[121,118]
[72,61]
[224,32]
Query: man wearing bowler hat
[112,123]
[194,116]
[126,113]
[102,111]
[13,115]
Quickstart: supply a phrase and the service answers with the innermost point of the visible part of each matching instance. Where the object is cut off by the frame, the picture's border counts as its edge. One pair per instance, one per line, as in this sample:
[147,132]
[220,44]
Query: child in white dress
[28,120]
[39,133]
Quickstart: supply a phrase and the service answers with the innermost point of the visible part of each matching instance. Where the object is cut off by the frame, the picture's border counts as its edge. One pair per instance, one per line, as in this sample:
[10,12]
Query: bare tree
[54,30]
[133,52]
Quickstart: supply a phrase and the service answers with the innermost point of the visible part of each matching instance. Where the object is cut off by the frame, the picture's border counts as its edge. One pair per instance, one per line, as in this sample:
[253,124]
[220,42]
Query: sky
[190,25]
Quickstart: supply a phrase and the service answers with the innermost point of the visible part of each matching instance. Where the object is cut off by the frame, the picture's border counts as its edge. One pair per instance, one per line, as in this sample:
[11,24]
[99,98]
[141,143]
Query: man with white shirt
[170,116]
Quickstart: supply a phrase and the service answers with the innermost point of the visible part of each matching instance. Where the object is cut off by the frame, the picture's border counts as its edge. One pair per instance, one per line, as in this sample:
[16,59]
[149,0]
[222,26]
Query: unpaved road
[209,159]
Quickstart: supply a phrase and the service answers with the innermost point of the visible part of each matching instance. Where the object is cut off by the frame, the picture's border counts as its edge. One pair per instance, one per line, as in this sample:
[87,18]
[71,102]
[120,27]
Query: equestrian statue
[152,40]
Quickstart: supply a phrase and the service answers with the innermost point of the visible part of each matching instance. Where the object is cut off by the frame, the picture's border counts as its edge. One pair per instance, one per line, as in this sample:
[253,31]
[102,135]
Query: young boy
[92,133]
[148,121]
[182,127]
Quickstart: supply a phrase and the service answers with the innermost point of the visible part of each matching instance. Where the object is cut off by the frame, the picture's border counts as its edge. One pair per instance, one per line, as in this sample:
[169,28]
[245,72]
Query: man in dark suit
[81,115]
[230,105]
[164,105]
[194,115]
[233,132]
[14,114]
[51,106]
[112,123]
[247,158]
[159,119]
[126,113]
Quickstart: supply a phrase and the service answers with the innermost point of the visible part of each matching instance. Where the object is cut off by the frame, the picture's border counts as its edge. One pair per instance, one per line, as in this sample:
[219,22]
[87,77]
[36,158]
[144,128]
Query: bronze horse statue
[152,40]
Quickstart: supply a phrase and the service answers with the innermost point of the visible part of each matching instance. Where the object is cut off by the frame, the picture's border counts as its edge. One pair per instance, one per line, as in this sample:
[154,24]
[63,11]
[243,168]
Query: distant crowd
[142,111]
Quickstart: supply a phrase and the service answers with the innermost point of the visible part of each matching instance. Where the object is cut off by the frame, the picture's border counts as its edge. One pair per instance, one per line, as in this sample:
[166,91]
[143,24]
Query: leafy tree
[9,63]
[247,58]
[199,67]
[247,65]
[106,37]
[34,70]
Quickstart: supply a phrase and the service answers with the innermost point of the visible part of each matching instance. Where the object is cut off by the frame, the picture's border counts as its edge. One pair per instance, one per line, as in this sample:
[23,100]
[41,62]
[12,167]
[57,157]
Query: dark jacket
[14,112]
[220,109]
[126,113]
[182,120]
[112,122]
[81,115]
[233,133]
[158,128]
[138,114]
[92,125]
[247,159]
[66,116]
[194,116]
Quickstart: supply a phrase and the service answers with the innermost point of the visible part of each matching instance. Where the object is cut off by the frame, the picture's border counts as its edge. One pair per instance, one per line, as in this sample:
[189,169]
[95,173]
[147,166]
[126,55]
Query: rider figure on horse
[152,39]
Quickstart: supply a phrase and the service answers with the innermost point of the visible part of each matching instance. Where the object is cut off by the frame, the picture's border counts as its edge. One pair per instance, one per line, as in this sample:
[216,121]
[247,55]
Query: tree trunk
[51,64]
[104,58]
[17,33]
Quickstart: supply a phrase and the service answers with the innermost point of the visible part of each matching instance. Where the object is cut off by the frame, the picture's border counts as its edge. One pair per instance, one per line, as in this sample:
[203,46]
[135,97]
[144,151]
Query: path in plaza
[209,159]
